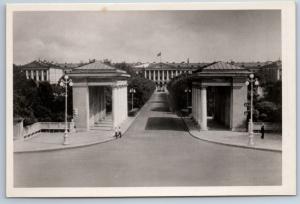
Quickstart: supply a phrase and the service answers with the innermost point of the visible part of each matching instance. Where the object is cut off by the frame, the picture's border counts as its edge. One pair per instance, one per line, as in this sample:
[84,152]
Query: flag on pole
[159,54]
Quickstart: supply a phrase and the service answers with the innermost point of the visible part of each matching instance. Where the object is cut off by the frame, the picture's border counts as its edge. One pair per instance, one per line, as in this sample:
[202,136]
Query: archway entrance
[90,98]
[218,97]
[218,108]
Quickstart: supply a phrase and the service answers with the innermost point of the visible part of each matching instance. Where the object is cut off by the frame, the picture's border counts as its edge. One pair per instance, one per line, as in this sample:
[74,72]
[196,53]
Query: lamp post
[132,91]
[187,91]
[64,82]
[251,81]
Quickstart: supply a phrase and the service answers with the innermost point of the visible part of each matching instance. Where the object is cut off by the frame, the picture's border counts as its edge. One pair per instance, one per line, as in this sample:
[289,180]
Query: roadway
[155,151]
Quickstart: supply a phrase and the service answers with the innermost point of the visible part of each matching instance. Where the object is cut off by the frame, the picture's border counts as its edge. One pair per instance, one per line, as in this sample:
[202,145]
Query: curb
[230,144]
[65,147]
[86,144]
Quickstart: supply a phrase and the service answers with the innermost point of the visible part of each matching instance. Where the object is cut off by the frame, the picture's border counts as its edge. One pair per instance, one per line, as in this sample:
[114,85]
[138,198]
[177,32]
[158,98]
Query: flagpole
[160,60]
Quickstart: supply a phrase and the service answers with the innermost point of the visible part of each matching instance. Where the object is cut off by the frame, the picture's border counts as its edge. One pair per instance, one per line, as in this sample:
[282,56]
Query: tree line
[44,102]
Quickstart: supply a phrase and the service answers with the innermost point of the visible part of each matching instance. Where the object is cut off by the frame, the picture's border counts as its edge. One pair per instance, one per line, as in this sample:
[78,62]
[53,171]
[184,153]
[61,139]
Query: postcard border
[288,186]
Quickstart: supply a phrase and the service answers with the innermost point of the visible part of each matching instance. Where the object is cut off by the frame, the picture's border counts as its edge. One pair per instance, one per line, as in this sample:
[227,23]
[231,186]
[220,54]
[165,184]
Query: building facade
[43,71]
[162,73]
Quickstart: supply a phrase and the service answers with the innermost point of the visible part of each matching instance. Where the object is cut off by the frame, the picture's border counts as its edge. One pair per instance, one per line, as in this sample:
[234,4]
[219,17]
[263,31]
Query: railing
[30,130]
[273,127]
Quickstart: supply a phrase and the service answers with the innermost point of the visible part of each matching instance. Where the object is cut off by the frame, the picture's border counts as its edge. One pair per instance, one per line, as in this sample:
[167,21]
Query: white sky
[201,36]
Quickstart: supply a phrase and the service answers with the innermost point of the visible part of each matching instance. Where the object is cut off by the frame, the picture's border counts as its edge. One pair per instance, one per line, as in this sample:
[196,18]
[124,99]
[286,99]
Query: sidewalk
[271,141]
[54,141]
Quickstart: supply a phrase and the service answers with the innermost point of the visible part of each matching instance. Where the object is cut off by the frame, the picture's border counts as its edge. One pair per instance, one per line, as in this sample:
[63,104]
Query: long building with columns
[162,73]
[43,71]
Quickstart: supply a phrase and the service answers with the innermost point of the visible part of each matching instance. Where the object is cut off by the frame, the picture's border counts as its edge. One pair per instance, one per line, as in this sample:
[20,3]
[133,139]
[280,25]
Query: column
[42,73]
[197,106]
[203,106]
[31,74]
[114,106]
[238,99]
[154,75]
[158,75]
[163,75]
[167,75]
[81,105]
[150,75]
[37,75]
[27,75]
[47,75]
[193,103]
[172,73]
[125,102]
[145,74]
[100,99]
[120,115]
[103,102]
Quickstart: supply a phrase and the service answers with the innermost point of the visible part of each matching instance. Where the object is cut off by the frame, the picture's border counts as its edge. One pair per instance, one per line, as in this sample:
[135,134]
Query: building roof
[97,69]
[38,64]
[97,65]
[221,68]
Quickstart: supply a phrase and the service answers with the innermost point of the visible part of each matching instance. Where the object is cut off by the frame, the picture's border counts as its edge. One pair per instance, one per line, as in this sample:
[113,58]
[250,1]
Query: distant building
[162,73]
[42,70]
[272,72]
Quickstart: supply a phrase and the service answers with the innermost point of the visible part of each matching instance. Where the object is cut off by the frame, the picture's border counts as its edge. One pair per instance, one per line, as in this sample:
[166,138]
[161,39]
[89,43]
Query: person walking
[262,131]
[116,133]
[119,132]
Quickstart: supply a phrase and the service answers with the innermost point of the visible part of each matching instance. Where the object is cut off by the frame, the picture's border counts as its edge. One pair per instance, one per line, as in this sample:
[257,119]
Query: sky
[132,36]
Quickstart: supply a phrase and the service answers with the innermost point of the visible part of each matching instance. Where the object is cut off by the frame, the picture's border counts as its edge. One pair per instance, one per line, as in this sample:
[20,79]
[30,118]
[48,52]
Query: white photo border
[288,41]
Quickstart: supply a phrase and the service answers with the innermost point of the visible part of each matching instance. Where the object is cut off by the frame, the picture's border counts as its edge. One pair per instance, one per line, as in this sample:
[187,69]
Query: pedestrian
[262,130]
[119,132]
[116,133]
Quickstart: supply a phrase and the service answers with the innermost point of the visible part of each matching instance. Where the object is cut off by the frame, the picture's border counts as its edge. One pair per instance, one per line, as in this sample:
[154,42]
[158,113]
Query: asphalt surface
[155,151]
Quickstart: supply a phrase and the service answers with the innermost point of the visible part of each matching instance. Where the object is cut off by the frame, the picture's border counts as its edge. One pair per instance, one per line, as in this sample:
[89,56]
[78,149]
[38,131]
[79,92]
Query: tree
[269,107]
[176,88]
[38,101]
[144,87]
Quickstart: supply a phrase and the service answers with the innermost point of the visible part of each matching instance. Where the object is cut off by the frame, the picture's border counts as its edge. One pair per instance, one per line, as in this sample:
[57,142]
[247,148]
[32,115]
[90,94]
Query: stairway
[104,125]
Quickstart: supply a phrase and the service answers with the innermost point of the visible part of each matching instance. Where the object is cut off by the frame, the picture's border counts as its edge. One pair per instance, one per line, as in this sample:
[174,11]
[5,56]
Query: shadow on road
[161,109]
[165,123]
[157,101]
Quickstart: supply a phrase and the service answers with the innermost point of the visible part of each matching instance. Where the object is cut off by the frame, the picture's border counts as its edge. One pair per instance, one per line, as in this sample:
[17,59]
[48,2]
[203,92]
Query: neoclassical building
[162,73]
[225,83]
[43,71]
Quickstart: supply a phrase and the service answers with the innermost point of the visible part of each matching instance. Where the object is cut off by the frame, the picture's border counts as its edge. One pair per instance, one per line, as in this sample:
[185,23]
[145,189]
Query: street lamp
[132,91]
[251,81]
[64,82]
[187,91]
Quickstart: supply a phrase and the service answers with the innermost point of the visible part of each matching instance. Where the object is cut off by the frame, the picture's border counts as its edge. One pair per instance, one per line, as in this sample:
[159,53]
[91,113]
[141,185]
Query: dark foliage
[269,107]
[38,101]
[144,88]
[177,88]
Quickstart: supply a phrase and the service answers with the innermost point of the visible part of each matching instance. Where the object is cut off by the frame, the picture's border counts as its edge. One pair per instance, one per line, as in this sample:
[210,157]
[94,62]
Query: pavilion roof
[98,68]
[220,69]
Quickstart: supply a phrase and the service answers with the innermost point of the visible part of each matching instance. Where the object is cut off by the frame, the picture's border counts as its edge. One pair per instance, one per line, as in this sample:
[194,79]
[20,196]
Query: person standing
[119,132]
[116,133]
[262,130]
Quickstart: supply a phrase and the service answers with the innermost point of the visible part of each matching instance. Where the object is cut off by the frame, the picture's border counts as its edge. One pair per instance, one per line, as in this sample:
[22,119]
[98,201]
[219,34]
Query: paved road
[155,151]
